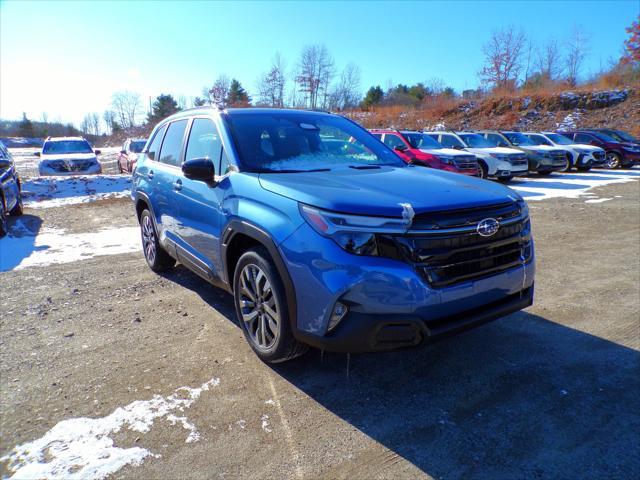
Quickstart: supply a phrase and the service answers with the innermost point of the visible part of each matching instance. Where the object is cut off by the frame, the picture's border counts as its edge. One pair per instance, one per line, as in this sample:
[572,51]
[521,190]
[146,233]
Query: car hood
[381,191]
[540,148]
[444,151]
[499,150]
[584,146]
[68,156]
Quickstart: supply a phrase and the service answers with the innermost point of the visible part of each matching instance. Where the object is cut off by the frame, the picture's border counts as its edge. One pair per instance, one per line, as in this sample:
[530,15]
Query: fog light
[339,311]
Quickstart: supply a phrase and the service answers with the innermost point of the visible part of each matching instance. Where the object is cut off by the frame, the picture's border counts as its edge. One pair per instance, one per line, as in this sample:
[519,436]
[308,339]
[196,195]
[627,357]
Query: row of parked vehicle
[507,154]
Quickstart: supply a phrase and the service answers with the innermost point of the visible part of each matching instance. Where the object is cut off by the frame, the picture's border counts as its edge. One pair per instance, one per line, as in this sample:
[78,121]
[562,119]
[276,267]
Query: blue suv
[324,236]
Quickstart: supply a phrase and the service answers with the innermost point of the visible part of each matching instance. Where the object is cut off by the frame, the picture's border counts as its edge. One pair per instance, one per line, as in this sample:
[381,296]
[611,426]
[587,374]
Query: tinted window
[450,141]
[204,142]
[539,140]
[155,144]
[377,135]
[172,144]
[422,140]
[518,138]
[495,138]
[392,141]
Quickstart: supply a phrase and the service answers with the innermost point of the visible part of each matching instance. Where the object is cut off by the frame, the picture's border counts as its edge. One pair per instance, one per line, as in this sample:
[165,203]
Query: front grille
[455,254]
[70,166]
[466,162]
[518,160]
[598,155]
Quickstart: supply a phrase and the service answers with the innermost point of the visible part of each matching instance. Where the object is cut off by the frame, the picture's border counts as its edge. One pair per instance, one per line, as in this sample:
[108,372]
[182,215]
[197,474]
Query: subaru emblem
[488,227]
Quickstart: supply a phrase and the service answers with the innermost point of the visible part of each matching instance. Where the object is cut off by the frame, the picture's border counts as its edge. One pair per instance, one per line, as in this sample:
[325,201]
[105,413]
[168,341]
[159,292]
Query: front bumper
[69,169]
[382,292]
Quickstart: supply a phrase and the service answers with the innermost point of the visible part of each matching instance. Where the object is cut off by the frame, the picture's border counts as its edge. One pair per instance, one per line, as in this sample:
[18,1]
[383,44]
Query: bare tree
[127,106]
[577,47]
[271,85]
[549,60]
[182,102]
[316,69]
[347,93]
[503,57]
[110,121]
[94,122]
[219,92]
[85,125]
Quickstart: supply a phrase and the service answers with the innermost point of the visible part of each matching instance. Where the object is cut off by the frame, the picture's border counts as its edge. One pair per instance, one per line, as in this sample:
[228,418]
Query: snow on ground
[570,185]
[79,448]
[46,192]
[22,249]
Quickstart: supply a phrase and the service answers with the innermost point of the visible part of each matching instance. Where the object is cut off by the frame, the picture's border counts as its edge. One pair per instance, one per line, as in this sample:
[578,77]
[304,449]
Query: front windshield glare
[67,146]
[302,141]
[518,138]
[559,139]
[539,140]
[421,140]
[473,140]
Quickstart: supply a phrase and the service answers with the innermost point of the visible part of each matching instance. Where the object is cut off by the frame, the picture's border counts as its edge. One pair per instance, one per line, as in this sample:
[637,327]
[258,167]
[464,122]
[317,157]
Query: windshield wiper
[364,167]
[268,170]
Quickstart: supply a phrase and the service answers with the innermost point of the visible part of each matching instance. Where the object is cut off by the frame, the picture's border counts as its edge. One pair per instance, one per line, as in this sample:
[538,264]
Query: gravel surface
[551,392]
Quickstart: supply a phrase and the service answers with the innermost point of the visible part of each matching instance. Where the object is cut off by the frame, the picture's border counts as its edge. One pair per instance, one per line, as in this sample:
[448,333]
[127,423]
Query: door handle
[177,185]
[150,174]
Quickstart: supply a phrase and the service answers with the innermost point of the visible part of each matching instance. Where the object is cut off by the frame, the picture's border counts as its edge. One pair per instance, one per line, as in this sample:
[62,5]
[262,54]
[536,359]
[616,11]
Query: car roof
[63,139]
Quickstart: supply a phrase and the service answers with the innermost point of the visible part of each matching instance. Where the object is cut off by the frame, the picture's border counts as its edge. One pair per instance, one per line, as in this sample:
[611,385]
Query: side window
[450,141]
[377,135]
[583,138]
[204,142]
[392,141]
[497,139]
[172,144]
[154,148]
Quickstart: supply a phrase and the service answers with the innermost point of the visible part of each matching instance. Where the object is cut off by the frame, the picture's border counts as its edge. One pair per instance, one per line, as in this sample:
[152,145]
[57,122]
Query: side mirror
[400,148]
[37,154]
[199,169]
[458,147]
[502,144]
[98,152]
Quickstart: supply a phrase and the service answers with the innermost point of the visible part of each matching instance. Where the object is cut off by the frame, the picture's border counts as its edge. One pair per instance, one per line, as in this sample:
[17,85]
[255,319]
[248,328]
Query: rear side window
[154,148]
[204,142]
[172,144]
[583,138]
[392,141]
[450,141]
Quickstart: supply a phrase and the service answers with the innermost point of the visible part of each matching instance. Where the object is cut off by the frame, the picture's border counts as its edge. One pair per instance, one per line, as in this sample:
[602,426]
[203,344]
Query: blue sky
[67,58]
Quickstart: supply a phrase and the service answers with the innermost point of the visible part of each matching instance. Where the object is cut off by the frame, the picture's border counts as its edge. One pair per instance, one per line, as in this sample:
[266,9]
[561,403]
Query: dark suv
[619,154]
[324,235]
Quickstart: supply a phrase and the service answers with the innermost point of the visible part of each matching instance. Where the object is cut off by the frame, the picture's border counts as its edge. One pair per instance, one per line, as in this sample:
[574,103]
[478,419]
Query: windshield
[539,140]
[623,136]
[421,140]
[67,146]
[604,137]
[558,139]
[473,140]
[302,141]
[137,146]
[518,138]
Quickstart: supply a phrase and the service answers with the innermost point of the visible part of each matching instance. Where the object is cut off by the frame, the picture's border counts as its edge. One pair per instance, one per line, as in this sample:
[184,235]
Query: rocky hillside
[606,108]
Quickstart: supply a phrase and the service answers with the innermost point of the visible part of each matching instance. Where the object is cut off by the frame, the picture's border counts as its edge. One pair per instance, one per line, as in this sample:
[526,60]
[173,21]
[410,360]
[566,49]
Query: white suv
[499,162]
[581,156]
[68,156]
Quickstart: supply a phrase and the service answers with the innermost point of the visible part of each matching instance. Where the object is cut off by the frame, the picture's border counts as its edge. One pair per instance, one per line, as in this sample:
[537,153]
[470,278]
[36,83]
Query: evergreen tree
[163,106]
[25,128]
[238,96]
[373,97]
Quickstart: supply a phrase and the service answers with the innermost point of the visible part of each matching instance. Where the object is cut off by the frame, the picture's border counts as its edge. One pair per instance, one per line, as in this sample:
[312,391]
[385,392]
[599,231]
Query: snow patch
[47,192]
[265,423]
[570,121]
[597,200]
[79,448]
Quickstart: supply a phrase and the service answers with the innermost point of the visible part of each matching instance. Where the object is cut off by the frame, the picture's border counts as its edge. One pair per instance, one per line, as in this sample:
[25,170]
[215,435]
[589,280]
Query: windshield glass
[623,136]
[539,140]
[473,140]
[421,140]
[604,137]
[518,138]
[67,146]
[558,139]
[137,146]
[302,141]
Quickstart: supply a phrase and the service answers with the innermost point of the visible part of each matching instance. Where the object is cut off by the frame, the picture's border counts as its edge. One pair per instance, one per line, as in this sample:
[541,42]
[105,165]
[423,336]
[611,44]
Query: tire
[483,171]
[157,258]
[18,209]
[614,160]
[3,219]
[544,174]
[584,169]
[505,179]
[568,163]
[261,307]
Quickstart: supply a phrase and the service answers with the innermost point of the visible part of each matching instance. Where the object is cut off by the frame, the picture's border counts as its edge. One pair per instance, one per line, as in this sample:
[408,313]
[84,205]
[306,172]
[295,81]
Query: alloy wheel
[258,307]
[148,239]
[613,160]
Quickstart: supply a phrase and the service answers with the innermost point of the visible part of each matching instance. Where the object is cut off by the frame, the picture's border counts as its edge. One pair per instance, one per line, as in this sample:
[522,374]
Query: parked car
[319,246]
[499,162]
[68,156]
[542,159]
[129,154]
[581,156]
[419,148]
[10,189]
[619,135]
[619,154]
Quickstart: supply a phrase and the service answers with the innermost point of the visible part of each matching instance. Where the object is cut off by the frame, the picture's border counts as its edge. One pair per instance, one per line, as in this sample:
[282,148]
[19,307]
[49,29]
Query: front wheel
[483,171]
[18,209]
[613,160]
[568,163]
[157,258]
[261,307]
[584,169]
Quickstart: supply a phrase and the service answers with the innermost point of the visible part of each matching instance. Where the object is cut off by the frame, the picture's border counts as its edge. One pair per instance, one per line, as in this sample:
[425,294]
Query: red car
[417,147]
[128,156]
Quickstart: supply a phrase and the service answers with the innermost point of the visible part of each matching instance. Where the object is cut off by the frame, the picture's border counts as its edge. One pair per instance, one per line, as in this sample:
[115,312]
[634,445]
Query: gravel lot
[551,392]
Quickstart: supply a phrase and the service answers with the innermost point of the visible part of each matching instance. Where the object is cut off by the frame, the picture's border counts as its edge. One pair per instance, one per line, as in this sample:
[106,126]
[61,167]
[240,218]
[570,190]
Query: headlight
[500,156]
[445,159]
[524,208]
[354,233]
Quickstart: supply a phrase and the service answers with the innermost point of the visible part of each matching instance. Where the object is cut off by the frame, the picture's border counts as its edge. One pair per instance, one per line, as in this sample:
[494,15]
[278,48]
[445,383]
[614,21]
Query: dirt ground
[550,392]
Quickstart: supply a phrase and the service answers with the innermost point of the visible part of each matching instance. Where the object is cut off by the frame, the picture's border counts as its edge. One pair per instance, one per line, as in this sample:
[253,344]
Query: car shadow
[19,243]
[522,397]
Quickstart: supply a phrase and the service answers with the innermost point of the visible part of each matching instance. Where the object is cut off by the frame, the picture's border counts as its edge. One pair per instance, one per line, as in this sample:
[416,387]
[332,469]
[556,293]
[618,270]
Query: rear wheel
[568,163]
[483,171]
[18,209]
[613,160]
[157,258]
[261,306]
